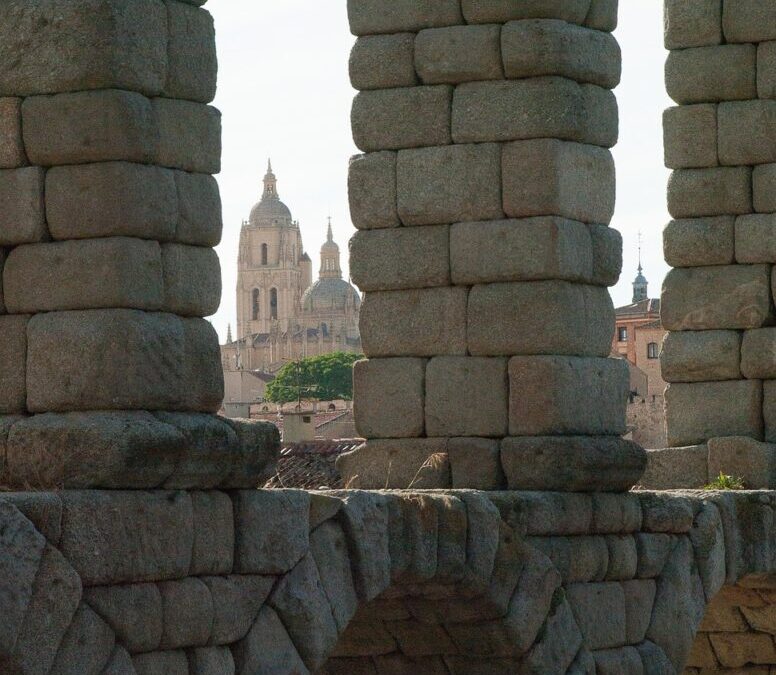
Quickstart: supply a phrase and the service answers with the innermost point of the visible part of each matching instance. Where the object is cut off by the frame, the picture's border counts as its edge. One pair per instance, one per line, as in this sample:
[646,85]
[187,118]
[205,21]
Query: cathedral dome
[270,211]
[330,294]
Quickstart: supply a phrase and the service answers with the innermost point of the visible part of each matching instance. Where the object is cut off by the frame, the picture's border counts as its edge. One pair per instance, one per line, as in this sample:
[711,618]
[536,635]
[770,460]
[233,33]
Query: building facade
[282,315]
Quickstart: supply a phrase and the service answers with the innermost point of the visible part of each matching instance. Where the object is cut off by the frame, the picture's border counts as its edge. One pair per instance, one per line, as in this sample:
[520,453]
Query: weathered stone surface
[192,280]
[602,15]
[572,463]
[22,218]
[111,199]
[93,450]
[558,644]
[716,73]
[554,395]
[383,62]
[760,618]
[371,16]
[406,117]
[654,659]
[639,599]
[615,514]
[541,47]
[764,188]
[697,412]
[270,545]
[161,663]
[744,457]
[83,45]
[746,130]
[766,70]
[570,318]
[448,184]
[372,190]
[769,411]
[3,255]
[543,177]
[322,508]
[237,600]
[125,537]
[395,323]
[600,612]
[475,463]
[88,274]
[708,542]
[623,557]
[757,359]
[166,363]
[191,54]
[398,258]
[266,647]
[695,242]
[213,549]
[210,451]
[458,54]
[578,559]
[13,353]
[690,136]
[674,468]
[720,297]
[11,146]
[189,135]
[607,255]
[717,191]
[701,356]
[42,509]
[622,661]
[22,548]
[390,398]
[90,126]
[258,451]
[488,251]
[302,606]
[653,550]
[736,650]
[86,646]
[329,548]
[748,21]
[134,613]
[692,24]
[187,613]
[537,107]
[666,513]
[211,661]
[452,381]
[499,11]
[199,209]
[420,463]
[120,663]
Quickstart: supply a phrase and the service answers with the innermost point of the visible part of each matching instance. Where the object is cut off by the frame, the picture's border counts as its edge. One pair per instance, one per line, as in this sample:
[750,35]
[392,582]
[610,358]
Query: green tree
[318,378]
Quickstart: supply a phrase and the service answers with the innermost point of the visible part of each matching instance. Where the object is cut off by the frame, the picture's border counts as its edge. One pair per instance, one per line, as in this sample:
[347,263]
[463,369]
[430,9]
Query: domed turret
[331,291]
[270,211]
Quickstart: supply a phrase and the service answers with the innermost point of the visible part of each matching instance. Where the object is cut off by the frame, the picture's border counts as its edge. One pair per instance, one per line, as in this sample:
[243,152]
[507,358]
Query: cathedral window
[256,309]
[622,334]
[273,304]
[652,350]
[264,254]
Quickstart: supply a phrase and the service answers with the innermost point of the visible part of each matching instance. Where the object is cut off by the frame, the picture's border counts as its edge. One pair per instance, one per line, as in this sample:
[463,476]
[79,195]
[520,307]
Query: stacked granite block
[384,583]
[719,357]
[109,375]
[482,203]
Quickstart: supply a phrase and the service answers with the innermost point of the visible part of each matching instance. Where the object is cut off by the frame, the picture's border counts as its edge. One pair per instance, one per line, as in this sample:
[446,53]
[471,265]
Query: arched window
[325,330]
[652,350]
[273,304]
[622,334]
[256,305]
[264,254]
[332,406]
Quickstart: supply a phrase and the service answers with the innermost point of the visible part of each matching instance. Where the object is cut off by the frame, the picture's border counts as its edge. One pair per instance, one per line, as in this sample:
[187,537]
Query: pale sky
[284,93]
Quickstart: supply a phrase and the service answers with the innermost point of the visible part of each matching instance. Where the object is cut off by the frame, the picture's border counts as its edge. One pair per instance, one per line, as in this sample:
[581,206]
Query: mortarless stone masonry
[227,579]
[482,203]
[718,301]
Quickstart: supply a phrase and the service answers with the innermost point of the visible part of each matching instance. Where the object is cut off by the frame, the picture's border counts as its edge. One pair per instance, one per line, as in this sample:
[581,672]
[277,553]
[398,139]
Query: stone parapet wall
[718,301]
[482,203]
[459,582]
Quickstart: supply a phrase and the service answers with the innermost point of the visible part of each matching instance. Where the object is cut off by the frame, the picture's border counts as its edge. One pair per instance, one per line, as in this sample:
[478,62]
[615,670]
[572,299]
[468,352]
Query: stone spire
[640,283]
[229,334]
[270,183]
[330,257]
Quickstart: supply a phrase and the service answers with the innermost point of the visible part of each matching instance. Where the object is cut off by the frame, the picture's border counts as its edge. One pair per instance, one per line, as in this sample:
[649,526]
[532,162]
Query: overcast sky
[284,93]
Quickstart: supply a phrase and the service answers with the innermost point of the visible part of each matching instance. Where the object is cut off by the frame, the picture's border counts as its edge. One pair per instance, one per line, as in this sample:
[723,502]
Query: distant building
[281,314]
[638,338]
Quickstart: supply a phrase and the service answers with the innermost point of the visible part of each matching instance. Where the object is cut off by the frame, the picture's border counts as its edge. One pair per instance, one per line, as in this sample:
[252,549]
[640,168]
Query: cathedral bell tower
[330,258]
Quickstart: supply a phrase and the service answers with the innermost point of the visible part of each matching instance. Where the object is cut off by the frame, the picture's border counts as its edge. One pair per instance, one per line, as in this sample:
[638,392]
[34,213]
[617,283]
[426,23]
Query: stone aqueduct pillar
[108,216]
[482,203]
[720,356]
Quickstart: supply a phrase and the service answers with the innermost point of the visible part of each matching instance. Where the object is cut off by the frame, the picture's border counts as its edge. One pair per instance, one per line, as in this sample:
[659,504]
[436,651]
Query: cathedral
[281,314]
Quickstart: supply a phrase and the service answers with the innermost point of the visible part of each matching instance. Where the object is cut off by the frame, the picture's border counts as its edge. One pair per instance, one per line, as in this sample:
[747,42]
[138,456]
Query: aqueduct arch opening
[512,542]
